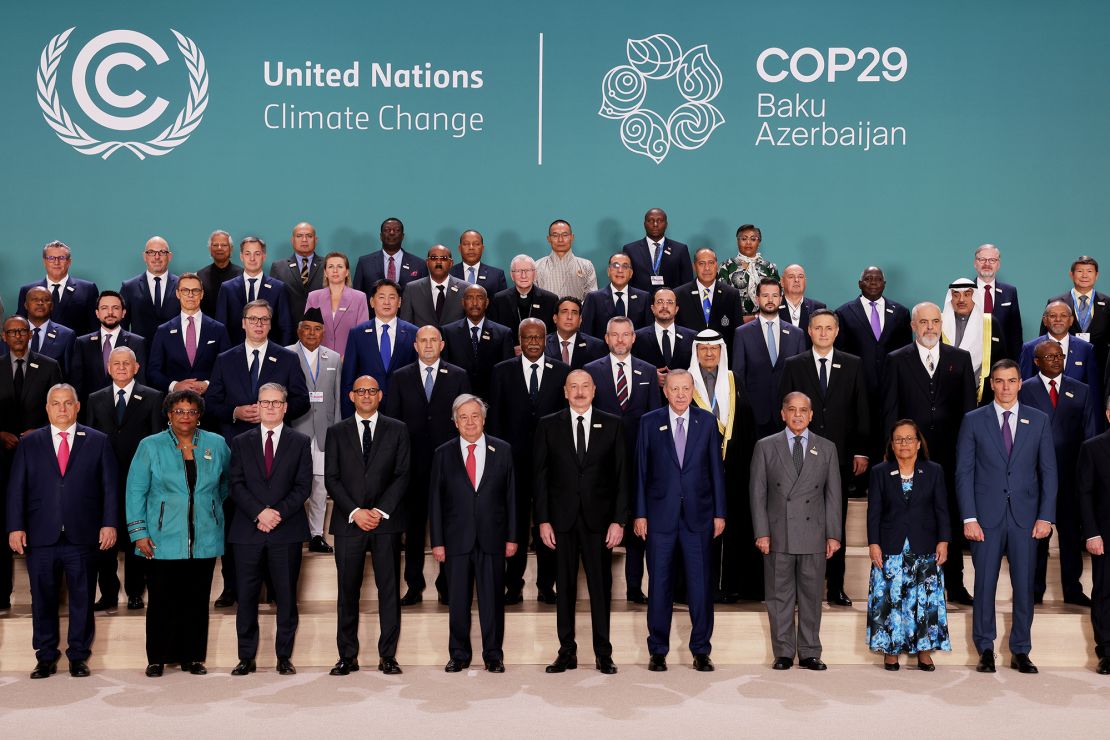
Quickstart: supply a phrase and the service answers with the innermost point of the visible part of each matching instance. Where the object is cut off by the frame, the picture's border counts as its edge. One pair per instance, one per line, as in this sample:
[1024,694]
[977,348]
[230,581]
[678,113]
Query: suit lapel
[77,442]
[991,420]
[786,461]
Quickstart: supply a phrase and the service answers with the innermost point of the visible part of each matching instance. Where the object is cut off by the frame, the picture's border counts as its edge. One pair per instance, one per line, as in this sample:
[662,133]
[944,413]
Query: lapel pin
[207,454]
[1069,394]
[535,305]
[890,310]
[633,297]
[80,434]
[491,448]
[1024,421]
[597,426]
[96,337]
[70,288]
[266,286]
[836,365]
[211,341]
[454,289]
[137,397]
[173,331]
[272,359]
[785,331]
[548,365]
[812,451]
[485,336]
[894,472]
[443,371]
[34,365]
[663,428]
[637,372]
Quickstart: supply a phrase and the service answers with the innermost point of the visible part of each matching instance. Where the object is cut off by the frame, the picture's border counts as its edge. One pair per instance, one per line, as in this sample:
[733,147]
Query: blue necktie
[121,407]
[534,383]
[474,340]
[428,383]
[255,363]
[619,305]
[250,293]
[384,349]
[471,276]
[706,306]
[772,350]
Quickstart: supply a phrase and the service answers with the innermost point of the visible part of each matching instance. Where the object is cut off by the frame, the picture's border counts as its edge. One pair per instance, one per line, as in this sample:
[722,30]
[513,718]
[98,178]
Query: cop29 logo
[625,87]
[72,133]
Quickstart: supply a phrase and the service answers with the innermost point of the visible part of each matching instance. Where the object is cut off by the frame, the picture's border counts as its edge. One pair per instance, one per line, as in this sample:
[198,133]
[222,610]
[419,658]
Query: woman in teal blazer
[175,492]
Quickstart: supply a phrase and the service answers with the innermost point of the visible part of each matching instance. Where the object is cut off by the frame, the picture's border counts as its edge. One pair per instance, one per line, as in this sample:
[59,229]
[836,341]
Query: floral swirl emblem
[697,78]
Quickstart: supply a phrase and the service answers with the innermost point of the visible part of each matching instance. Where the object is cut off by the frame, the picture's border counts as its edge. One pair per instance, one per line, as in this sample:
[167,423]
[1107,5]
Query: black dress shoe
[318,544]
[455,666]
[495,666]
[1079,599]
[657,663]
[225,600]
[389,666]
[927,667]
[1021,662]
[443,599]
[196,668]
[562,663]
[887,665]
[703,663]
[513,597]
[812,664]
[839,599]
[135,602]
[637,597]
[411,598]
[606,666]
[986,662]
[78,669]
[244,667]
[155,670]
[1038,599]
[45,669]
[344,666]
[1103,667]
[105,604]
[285,667]
[783,664]
[547,596]
[960,596]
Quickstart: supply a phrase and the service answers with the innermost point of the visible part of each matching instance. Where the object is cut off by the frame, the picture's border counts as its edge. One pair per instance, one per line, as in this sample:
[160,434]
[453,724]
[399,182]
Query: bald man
[302,272]
[151,296]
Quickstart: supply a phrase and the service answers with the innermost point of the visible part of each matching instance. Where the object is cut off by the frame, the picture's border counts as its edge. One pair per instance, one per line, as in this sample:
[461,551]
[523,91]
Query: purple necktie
[107,351]
[680,439]
[876,327]
[190,341]
[1007,435]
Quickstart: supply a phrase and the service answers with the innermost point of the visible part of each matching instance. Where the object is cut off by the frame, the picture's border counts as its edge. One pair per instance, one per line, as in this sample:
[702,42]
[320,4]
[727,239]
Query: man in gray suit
[302,272]
[436,299]
[321,367]
[795,497]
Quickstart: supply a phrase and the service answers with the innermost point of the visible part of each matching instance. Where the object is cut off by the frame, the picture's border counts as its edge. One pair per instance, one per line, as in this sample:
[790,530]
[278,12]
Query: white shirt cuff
[972,519]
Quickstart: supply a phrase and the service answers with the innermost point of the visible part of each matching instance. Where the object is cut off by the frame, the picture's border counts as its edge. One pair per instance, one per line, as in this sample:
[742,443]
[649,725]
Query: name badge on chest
[315,396]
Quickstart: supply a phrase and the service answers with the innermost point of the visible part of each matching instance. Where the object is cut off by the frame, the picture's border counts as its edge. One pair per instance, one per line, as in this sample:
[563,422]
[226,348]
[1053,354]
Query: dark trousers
[737,564]
[283,560]
[954,566]
[134,572]
[6,573]
[488,572]
[416,530]
[1100,604]
[834,566]
[696,549]
[45,566]
[633,560]
[545,558]
[1019,547]
[1072,547]
[177,610]
[228,571]
[581,543]
[350,565]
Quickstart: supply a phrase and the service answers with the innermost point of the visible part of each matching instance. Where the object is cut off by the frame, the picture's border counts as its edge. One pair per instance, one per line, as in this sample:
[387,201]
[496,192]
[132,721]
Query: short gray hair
[57,245]
[128,350]
[617,320]
[258,303]
[465,398]
[61,387]
[220,232]
[274,387]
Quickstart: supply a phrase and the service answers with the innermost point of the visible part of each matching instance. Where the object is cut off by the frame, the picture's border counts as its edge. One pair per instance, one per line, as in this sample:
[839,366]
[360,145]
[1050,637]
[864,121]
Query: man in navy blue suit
[74,299]
[151,297]
[1006,485]
[1070,407]
[664,344]
[760,350]
[48,337]
[185,348]
[618,298]
[568,344]
[997,298]
[388,263]
[62,505]
[1079,354]
[477,343]
[253,285]
[379,346]
[470,267]
[88,371]
[658,262]
[680,506]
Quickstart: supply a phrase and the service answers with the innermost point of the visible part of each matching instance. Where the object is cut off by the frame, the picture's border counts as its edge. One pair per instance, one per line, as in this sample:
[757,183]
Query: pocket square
[211,341]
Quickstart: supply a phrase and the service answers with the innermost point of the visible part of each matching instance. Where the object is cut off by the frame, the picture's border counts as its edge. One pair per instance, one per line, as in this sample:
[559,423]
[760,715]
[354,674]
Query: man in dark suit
[476,343]
[760,350]
[618,298]
[390,262]
[62,498]
[127,412]
[679,507]
[658,262]
[1006,484]
[997,298]
[524,299]
[302,272]
[568,343]
[472,517]
[625,386]
[421,395]
[1093,492]
[48,337]
[933,384]
[379,346]
[472,270]
[437,298]
[151,298]
[1070,409]
[1079,355]
[218,271]
[185,348]
[706,302]
[367,516]
[88,371]
[796,308]
[581,505]
[833,381]
[522,390]
[269,481]
[1091,308]
[663,343]
[74,299]
[254,285]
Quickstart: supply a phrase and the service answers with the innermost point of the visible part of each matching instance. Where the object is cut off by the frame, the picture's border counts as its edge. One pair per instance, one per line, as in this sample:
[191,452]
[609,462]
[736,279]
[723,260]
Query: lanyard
[658,258]
[314,371]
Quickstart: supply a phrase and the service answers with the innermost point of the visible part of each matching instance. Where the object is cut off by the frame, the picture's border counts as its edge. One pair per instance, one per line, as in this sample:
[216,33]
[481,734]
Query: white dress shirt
[587,417]
[392,324]
[277,436]
[57,438]
[880,305]
[479,457]
[373,419]
[925,353]
[526,364]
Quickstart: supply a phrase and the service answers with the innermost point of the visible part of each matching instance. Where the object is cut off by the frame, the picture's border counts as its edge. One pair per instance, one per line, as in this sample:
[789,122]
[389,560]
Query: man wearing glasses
[184,349]
[998,299]
[434,300]
[560,271]
[616,299]
[74,299]
[151,298]
[524,299]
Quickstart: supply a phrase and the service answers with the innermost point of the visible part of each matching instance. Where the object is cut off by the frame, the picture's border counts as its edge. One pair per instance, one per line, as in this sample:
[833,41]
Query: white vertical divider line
[539,125]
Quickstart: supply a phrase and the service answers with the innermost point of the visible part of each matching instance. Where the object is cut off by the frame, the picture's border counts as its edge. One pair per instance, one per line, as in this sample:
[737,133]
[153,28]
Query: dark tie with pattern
[622,387]
[367,441]
[121,406]
[474,340]
[797,453]
[306,264]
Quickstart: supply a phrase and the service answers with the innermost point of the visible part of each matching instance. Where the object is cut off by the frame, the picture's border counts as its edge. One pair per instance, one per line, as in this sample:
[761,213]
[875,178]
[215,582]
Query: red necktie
[391,271]
[988,299]
[472,466]
[63,452]
[1052,394]
[622,387]
[269,452]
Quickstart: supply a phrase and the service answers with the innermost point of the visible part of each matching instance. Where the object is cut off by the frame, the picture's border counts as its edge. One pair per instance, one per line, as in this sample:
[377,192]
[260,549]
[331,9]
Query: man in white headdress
[965,325]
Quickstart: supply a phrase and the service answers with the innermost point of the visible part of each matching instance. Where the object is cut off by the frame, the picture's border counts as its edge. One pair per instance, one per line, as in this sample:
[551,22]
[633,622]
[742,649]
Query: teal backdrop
[1003,105]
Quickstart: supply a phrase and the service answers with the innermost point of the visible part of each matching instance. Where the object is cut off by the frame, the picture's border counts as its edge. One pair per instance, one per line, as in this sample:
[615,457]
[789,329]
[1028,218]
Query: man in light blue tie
[471,268]
[379,346]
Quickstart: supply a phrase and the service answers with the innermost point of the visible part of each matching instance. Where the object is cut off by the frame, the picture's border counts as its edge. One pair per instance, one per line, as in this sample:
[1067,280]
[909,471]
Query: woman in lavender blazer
[342,306]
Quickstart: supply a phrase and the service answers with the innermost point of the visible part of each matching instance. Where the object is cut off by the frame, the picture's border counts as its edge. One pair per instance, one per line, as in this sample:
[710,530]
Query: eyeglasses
[440,259]
[366,391]
[257,320]
[57,258]
[988,260]
[156,252]
[271,404]
[17,332]
[191,291]
[522,271]
[188,413]
[619,266]
[904,440]
[664,302]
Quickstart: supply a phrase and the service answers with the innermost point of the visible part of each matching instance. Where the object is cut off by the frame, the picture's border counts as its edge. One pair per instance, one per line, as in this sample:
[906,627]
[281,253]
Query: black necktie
[474,340]
[158,292]
[534,383]
[667,347]
[121,406]
[367,440]
[621,311]
[56,292]
[581,439]
[17,380]
[36,341]
[254,371]
[440,300]
[250,293]
[824,377]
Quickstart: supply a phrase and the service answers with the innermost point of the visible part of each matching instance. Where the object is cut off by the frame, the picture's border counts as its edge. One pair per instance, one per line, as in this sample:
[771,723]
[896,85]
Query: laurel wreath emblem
[68,131]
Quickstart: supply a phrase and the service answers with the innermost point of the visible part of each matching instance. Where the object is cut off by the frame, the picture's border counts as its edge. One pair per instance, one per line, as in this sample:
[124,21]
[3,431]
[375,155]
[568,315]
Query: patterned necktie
[1007,435]
[391,271]
[254,369]
[63,452]
[191,341]
[472,466]
[824,377]
[566,352]
[534,382]
[706,306]
[158,292]
[385,349]
[930,365]
[56,292]
[618,305]
[269,451]
[428,383]
[441,298]
[1052,394]
[988,299]
[772,348]
[680,439]
[1084,314]
[474,340]
[471,276]
[667,354]
[876,325]
[107,351]
[797,453]
[306,263]
[121,406]
[251,295]
[367,441]
[622,387]
[581,439]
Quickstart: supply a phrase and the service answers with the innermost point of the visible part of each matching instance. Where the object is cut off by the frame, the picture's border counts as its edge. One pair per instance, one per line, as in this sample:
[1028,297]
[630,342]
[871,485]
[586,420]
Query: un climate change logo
[659,57]
[58,118]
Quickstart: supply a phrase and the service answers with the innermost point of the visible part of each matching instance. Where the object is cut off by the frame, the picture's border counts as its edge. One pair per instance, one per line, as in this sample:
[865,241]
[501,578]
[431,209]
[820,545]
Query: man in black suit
[933,384]
[471,269]
[997,298]
[568,343]
[127,412]
[663,343]
[524,299]
[796,307]
[217,272]
[185,348]
[658,262]
[476,343]
[1092,488]
[522,390]
[618,298]
[472,513]
[254,285]
[302,272]
[708,303]
[390,262]
[269,481]
[581,504]
[89,370]
[437,298]
[1091,309]
[151,297]
[833,380]
[48,337]
[367,516]
[420,395]
[74,299]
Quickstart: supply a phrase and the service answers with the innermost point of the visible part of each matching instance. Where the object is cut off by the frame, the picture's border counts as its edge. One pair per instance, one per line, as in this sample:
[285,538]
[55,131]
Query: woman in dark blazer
[342,306]
[907,535]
